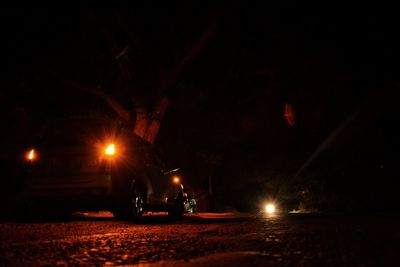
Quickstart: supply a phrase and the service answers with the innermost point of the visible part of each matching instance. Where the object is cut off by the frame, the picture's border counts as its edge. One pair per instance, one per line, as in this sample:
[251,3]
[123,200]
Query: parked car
[87,161]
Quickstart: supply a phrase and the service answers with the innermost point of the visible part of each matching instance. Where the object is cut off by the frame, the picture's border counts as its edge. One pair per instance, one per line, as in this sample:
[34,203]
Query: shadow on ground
[148,219]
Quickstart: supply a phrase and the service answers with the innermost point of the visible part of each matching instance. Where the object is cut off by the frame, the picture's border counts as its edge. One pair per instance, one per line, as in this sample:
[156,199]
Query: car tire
[135,208]
[178,209]
[138,202]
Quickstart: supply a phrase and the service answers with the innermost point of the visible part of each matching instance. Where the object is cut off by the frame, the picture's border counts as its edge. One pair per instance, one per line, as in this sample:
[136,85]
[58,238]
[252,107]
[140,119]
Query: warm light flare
[31,155]
[270,208]
[176,180]
[110,150]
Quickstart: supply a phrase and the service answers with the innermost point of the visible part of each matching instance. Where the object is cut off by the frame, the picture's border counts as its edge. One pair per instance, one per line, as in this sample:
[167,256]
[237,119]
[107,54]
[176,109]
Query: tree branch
[122,112]
[208,33]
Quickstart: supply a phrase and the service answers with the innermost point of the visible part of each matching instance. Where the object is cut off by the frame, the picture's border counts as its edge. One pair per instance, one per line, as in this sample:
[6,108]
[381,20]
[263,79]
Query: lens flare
[176,180]
[31,155]
[110,150]
[270,208]
[289,115]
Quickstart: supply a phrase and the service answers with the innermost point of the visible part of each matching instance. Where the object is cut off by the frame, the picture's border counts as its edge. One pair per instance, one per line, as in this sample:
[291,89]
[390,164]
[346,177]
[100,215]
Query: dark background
[336,66]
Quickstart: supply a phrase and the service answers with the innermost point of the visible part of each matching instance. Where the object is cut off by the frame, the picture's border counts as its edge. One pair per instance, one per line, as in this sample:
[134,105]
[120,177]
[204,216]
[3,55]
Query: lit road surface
[203,240]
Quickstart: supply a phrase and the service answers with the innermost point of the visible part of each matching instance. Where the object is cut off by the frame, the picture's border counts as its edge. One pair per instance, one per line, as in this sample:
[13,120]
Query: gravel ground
[205,239]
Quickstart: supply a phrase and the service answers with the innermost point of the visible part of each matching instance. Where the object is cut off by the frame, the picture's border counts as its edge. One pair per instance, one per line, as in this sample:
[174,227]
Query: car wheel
[178,209]
[137,205]
[135,208]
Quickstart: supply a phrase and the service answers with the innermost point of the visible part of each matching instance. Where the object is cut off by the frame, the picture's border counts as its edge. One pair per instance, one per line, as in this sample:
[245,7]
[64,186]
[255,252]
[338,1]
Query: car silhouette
[88,161]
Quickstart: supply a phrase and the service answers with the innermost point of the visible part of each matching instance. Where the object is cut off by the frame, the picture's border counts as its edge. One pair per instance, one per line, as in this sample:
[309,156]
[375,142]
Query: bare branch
[99,91]
[208,33]
[135,40]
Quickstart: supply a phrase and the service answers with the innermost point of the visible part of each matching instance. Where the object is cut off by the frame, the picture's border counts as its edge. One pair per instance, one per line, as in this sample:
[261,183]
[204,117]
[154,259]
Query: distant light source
[31,155]
[176,180]
[110,150]
[289,115]
[270,208]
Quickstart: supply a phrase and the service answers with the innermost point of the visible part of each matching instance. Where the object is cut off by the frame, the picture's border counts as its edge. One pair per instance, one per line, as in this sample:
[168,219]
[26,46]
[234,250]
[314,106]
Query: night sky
[336,67]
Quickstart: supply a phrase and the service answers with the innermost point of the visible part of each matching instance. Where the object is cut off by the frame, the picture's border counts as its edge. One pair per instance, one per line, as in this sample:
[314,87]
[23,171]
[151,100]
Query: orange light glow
[289,115]
[31,155]
[110,150]
[176,180]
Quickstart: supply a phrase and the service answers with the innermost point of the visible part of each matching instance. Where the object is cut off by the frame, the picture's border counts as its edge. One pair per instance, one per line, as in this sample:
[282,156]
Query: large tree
[144,72]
